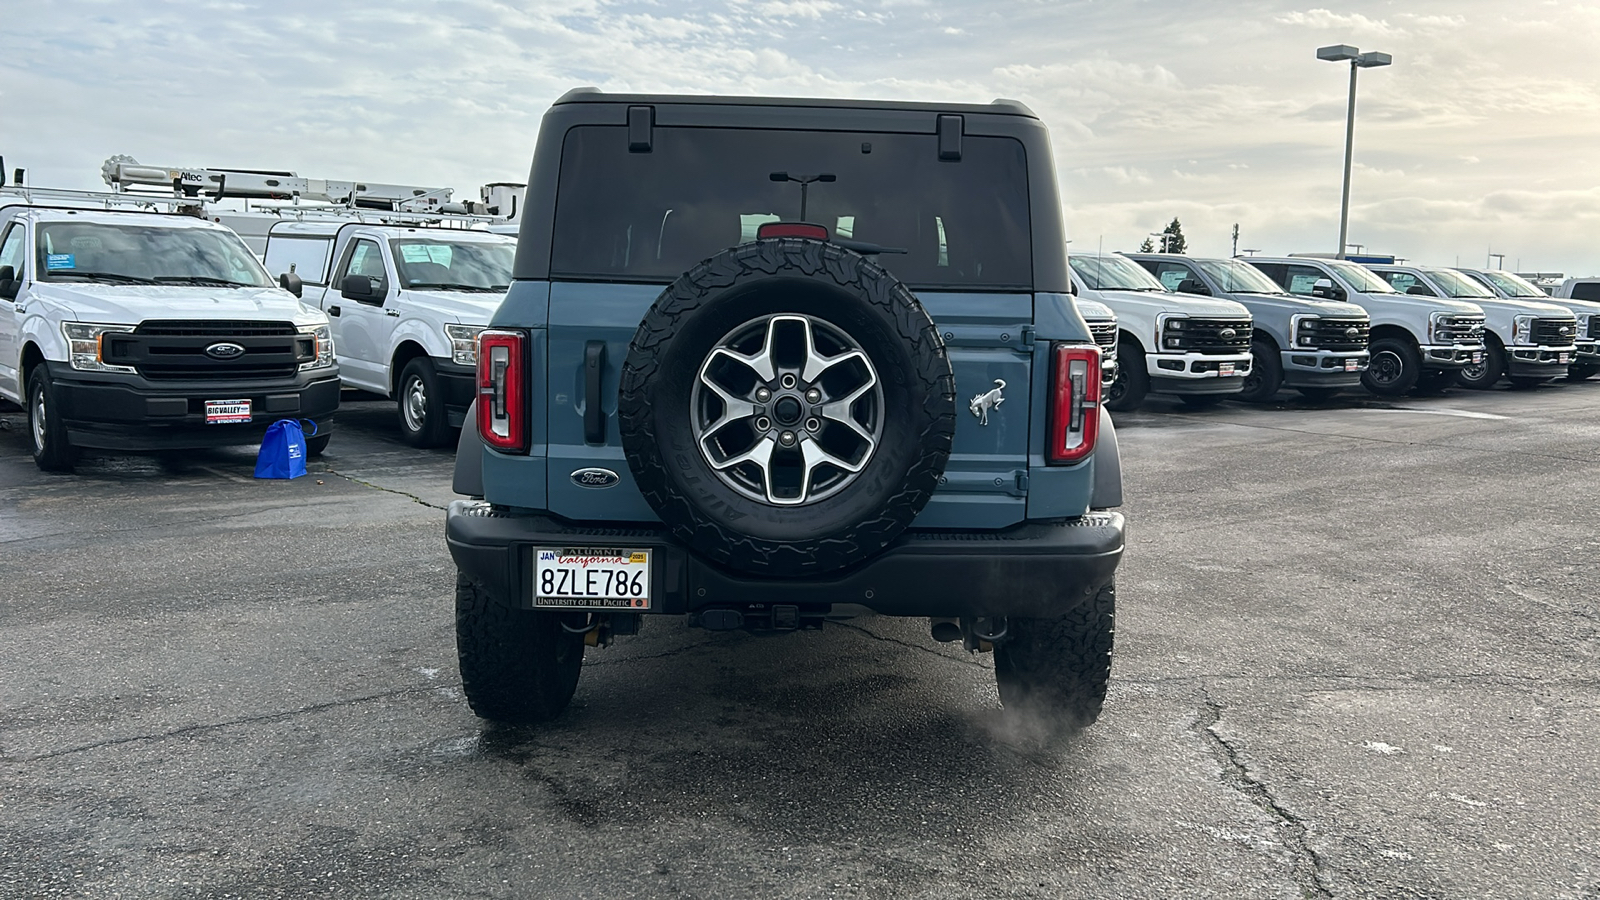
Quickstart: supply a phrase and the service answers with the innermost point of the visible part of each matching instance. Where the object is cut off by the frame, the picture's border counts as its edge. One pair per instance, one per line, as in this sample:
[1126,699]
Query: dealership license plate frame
[616,589]
[229,412]
[1224,370]
[1352,364]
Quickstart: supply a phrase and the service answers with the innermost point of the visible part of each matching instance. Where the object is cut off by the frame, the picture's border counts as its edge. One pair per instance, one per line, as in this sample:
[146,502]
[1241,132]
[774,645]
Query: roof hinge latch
[641,125]
[950,129]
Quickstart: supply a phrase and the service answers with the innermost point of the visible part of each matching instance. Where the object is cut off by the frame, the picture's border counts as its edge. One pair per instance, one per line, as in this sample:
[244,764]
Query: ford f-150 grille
[1555,332]
[1333,334]
[174,350]
[1207,335]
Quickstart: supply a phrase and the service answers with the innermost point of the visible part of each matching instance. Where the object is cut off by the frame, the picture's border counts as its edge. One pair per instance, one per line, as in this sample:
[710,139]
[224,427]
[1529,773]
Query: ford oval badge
[224,350]
[595,478]
[1227,334]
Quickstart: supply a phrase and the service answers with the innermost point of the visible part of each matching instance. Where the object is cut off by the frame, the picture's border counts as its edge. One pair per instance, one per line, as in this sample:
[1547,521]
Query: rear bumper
[1323,368]
[1034,569]
[126,412]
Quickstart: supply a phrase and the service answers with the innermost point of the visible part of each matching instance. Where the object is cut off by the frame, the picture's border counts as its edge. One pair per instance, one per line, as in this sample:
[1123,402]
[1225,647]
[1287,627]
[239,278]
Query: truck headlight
[1437,323]
[322,335]
[463,343]
[85,342]
[1522,330]
[1305,331]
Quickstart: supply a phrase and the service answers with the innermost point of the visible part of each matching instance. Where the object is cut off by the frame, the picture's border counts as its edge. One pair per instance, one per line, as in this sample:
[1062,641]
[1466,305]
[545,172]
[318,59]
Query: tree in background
[1147,247]
[1174,241]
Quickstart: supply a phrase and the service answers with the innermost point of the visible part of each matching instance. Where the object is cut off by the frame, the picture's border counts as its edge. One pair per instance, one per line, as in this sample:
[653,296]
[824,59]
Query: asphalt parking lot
[1357,656]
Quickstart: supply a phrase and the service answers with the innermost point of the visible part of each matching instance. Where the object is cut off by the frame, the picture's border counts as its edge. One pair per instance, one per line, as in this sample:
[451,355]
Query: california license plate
[227,412]
[591,578]
[1351,364]
[1224,369]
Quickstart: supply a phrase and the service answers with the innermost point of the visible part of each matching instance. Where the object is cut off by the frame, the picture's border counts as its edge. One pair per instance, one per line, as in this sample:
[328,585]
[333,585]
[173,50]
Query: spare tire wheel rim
[787,409]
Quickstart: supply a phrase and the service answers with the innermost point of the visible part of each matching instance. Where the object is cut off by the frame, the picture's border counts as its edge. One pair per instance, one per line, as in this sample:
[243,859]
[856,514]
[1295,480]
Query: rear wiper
[865,246]
[199,279]
[103,276]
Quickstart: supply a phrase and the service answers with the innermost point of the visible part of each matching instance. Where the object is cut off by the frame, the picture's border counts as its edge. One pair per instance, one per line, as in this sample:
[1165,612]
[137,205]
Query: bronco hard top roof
[595,95]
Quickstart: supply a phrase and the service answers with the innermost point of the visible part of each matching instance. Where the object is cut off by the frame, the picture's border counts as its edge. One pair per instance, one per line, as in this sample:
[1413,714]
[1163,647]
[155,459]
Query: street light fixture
[1358,60]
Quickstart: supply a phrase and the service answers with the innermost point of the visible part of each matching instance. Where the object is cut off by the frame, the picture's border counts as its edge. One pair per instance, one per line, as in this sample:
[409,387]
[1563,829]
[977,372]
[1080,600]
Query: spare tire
[787,407]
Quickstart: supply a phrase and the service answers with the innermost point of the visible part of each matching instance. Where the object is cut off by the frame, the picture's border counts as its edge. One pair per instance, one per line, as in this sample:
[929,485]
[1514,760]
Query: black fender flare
[468,478]
[1107,466]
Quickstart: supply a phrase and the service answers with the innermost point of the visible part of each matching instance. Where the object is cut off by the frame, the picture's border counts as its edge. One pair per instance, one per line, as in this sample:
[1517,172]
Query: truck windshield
[1454,284]
[1114,273]
[1238,278]
[648,217]
[1514,286]
[1360,278]
[446,265]
[132,253]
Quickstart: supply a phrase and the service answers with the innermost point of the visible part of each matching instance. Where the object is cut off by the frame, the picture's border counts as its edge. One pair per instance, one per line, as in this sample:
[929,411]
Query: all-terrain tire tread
[511,668]
[1060,666]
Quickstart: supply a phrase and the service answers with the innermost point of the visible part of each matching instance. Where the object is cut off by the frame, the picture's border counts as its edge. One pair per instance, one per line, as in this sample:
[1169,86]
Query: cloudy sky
[1484,135]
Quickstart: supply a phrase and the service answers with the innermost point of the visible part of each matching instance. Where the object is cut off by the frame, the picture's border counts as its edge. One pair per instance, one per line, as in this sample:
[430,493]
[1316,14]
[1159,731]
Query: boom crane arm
[124,172]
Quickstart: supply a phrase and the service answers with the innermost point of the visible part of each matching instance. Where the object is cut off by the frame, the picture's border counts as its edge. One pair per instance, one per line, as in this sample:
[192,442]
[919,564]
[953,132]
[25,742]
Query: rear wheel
[1528,382]
[1127,393]
[1485,375]
[1058,668]
[423,422]
[51,450]
[1266,373]
[1582,372]
[315,445]
[517,665]
[1436,381]
[1394,367]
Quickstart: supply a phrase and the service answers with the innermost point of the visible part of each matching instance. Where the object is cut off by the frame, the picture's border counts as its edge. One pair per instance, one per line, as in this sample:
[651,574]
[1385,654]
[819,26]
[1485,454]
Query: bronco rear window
[648,217]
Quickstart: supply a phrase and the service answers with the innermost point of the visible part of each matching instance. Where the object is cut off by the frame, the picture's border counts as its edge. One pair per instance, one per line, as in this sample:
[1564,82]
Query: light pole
[1358,60]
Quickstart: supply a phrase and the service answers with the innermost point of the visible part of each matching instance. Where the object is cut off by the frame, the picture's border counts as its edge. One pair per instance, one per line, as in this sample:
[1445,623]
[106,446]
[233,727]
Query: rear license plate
[227,412]
[1564,358]
[1224,369]
[1351,364]
[591,578]
[1477,358]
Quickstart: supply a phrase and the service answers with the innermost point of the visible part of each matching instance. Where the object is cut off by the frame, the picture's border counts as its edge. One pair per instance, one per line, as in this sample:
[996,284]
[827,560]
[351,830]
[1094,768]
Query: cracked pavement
[1356,657]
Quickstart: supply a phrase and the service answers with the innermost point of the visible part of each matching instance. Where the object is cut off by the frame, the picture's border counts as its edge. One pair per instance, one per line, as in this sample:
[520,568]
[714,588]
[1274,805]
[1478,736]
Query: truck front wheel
[1058,668]
[51,450]
[423,422]
[1483,376]
[1393,368]
[518,666]
[1266,373]
[1127,393]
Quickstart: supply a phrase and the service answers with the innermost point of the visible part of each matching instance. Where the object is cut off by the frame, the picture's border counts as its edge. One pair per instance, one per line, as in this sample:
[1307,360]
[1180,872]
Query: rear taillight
[502,381]
[1074,404]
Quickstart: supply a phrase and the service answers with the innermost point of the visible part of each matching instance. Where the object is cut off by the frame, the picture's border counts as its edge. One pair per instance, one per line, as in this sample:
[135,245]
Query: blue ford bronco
[770,362]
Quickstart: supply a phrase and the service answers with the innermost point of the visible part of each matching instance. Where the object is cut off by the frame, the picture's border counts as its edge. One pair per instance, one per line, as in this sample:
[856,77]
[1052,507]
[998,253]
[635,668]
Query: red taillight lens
[792,229]
[1074,404]
[502,382]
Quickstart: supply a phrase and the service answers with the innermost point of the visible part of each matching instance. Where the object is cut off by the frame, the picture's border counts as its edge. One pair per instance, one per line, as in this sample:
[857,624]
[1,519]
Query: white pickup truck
[1197,348]
[138,330]
[406,303]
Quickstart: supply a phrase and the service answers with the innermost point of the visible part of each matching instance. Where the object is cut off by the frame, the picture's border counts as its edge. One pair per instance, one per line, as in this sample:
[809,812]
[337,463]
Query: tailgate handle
[594,415]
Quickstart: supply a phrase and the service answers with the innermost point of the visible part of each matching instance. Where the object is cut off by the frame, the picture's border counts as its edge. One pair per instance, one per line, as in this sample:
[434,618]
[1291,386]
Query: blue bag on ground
[283,451]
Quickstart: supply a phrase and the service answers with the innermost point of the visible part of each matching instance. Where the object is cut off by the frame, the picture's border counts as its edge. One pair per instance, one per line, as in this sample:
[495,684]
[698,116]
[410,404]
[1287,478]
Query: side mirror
[8,283]
[1419,290]
[356,287]
[1073,289]
[1327,290]
[291,282]
[1192,286]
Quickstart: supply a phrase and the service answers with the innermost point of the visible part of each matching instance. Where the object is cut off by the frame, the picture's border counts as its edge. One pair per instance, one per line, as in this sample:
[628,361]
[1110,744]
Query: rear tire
[316,445]
[1582,372]
[1394,367]
[1132,384]
[1266,374]
[52,452]
[1434,382]
[518,666]
[420,405]
[1319,394]
[1058,668]
[1528,382]
[1201,401]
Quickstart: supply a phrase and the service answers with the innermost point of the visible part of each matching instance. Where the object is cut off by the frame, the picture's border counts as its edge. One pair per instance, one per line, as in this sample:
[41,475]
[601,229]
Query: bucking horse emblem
[982,404]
